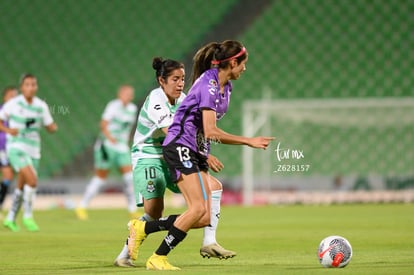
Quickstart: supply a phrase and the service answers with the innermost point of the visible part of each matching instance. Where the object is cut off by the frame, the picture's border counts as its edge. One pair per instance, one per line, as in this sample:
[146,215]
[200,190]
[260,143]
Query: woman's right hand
[260,142]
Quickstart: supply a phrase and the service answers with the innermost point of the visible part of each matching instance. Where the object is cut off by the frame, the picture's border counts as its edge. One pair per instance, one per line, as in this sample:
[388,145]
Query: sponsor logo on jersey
[213,82]
[212,86]
[162,118]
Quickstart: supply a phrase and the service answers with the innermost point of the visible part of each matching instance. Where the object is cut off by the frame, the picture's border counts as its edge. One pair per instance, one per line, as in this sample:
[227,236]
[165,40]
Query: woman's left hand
[214,163]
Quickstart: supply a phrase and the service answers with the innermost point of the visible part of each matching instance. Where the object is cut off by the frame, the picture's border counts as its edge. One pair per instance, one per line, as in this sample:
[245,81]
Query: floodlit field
[268,239]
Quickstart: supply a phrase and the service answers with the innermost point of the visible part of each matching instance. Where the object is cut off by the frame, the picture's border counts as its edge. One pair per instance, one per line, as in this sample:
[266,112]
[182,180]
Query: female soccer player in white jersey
[187,146]
[112,149]
[151,174]
[26,114]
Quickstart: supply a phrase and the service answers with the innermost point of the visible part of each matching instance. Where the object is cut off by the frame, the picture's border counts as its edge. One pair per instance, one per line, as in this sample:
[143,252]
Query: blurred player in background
[112,149]
[151,173]
[187,146]
[26,114]
[6,170]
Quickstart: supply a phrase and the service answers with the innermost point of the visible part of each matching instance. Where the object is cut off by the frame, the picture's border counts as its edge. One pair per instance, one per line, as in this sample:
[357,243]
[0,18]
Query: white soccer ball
[334,251]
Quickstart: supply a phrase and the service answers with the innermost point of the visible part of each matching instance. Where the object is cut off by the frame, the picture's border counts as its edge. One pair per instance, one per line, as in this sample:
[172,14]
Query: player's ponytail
[216,55]
[202,59]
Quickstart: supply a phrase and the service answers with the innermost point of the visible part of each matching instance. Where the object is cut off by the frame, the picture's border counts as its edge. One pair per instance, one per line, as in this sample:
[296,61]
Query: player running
[151,173]
[187,146]
[26,114]
[112,149]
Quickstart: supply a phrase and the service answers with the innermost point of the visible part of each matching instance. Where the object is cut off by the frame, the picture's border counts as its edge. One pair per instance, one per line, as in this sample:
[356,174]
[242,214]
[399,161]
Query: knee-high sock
[129,191]
[91,191]
[29,195]
[210,230]
[173,238]
[16,204]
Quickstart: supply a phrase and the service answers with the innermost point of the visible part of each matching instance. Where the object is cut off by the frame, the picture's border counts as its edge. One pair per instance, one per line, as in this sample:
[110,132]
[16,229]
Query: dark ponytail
[216,55]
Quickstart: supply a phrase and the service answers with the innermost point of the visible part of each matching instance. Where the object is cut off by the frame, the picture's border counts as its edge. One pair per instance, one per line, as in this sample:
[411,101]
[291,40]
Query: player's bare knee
[198,211]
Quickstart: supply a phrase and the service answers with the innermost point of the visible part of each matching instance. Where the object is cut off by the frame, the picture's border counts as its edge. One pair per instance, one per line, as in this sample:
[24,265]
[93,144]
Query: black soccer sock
[162,224]
[4,187]
[173,238]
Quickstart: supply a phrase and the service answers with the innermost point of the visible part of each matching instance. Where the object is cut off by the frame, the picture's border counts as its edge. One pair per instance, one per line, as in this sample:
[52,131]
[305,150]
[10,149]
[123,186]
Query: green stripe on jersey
[30,142]
[30,107]
[150,149]
[23,120]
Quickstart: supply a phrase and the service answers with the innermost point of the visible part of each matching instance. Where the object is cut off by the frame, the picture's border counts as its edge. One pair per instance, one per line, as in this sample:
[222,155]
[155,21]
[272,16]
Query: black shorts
[181,159]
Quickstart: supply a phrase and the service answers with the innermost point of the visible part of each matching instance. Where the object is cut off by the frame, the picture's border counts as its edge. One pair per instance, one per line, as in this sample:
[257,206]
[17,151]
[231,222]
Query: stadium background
[81,51]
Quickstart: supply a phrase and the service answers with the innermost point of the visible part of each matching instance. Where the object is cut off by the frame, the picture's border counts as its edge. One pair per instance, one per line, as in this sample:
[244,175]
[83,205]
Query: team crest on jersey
[187,164]
[213,82]
[150,186]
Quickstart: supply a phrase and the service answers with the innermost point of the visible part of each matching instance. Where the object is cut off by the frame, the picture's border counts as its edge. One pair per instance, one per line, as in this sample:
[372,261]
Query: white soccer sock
[124,252]
[16,204]
[91,190]
[210,231]
[129,191]
[146,218]
[29,195]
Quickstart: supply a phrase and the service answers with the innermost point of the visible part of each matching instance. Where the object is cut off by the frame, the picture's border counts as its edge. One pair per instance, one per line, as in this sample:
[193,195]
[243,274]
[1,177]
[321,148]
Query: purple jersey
[187,127]
[3,137]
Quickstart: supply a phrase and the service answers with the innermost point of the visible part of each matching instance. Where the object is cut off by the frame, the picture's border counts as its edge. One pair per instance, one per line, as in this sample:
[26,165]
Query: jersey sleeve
[159,112]
[109,112]
[47,117]
[208,98]
[3,113]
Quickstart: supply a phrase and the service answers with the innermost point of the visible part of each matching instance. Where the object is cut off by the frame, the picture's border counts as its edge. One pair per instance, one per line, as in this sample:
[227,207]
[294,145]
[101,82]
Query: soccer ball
[334,251]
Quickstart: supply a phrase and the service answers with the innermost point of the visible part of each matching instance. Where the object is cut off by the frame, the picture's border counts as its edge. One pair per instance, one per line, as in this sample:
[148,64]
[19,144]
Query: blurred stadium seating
[82,50]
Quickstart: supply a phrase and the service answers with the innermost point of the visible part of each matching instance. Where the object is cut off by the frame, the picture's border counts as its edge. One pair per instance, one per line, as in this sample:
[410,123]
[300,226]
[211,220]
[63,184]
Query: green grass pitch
[268,240]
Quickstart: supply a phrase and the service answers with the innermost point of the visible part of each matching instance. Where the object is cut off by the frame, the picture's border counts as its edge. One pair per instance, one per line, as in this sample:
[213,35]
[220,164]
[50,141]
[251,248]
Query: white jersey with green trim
[28,118]
[156,113]
[120,120]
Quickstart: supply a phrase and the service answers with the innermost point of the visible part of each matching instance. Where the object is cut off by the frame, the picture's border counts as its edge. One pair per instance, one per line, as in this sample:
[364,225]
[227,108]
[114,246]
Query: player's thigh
[24,165]
[171,185]
[123,162]
[149,179]
[102,158]
[20,159]
[195,189]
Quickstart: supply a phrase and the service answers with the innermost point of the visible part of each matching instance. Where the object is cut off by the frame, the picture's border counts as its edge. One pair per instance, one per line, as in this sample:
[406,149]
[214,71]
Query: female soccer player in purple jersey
[151,173]
[187,145]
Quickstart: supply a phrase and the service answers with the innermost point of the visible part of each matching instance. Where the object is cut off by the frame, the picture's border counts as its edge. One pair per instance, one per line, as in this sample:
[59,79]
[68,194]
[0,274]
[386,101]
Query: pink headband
[216,62]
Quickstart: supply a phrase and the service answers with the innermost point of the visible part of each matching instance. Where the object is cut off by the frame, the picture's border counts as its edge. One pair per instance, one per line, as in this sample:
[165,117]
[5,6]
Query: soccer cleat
[30,224]
[81,214]
[136,237]
[11,225]
[124,262]
[216,251]
[157,262]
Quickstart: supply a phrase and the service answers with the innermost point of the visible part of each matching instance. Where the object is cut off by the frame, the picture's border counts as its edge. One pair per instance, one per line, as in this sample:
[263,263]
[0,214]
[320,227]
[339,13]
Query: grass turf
[268,240]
